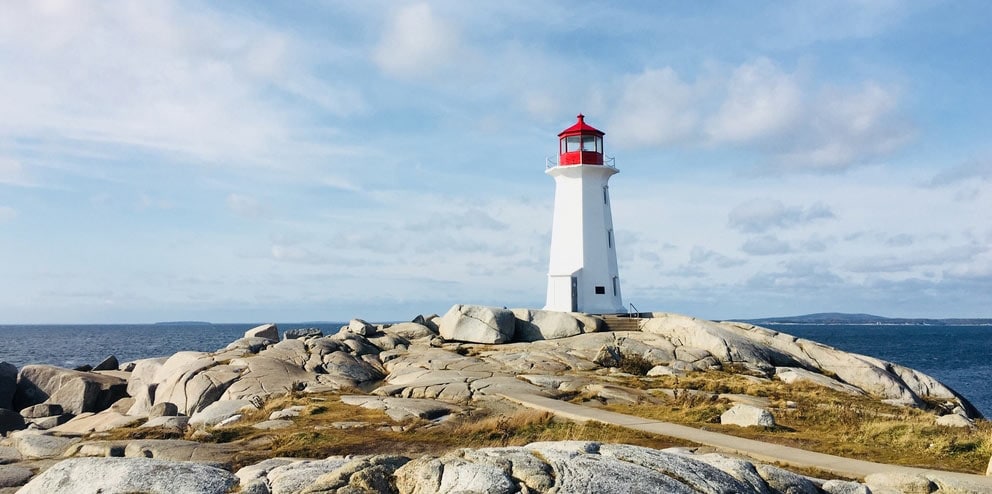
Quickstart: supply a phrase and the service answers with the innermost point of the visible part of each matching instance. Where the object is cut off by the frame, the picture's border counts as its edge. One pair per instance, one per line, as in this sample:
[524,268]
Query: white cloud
[759,215]
[847,126]
[186,81]
[975,169]
[416,42]
[762,101]
[655,108]
[766,245]
[7,213]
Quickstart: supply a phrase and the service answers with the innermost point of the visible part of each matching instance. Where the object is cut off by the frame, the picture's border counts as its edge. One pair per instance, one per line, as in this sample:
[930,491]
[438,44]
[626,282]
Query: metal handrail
[633,310]
[608,161]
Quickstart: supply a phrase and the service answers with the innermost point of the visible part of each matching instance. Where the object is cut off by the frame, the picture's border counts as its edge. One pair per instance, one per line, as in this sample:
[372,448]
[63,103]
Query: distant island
[841,318]
[184,323]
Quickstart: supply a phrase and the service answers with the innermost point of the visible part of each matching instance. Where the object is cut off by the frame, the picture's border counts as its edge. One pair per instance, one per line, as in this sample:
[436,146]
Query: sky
[323,160]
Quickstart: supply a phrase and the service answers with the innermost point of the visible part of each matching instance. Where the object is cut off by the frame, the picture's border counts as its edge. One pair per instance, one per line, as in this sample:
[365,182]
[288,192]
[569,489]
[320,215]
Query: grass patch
[824,420]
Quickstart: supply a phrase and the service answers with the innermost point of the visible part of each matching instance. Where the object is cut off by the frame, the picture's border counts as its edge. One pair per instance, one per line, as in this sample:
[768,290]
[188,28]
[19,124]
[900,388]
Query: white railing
[608,161]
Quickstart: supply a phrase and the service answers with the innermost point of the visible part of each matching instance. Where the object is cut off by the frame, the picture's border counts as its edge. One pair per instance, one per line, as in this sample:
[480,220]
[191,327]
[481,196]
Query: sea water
[958,356]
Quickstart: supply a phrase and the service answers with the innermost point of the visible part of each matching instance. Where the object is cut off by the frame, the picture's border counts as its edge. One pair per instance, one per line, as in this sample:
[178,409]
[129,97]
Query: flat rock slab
[403,408]
[106,475]
[219,411]
[180,450]
[33,444]
[100,422]
[13,475]
[268,425]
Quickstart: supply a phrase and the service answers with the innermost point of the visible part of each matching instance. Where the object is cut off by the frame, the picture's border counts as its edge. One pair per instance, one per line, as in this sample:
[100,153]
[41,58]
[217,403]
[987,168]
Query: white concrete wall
[580,244]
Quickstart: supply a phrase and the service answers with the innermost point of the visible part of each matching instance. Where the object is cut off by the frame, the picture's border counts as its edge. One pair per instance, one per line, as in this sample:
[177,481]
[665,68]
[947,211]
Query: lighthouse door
[575,294]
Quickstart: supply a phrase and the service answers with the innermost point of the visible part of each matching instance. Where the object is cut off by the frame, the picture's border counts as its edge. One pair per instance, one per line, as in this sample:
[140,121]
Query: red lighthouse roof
[581,127]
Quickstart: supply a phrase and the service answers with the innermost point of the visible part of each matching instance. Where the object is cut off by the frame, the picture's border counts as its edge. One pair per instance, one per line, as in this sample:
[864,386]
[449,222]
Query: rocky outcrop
[478,324]
[762,350]
[533,325]
[268,331]
[75,391]
[10,421]
[297,333]
[8,384]
[130,475]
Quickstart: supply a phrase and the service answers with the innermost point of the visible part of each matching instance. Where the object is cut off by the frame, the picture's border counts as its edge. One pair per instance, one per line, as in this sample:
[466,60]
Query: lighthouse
[582,272]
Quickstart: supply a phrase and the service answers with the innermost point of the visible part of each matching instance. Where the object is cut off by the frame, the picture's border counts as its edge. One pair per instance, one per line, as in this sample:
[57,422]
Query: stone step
[615,323]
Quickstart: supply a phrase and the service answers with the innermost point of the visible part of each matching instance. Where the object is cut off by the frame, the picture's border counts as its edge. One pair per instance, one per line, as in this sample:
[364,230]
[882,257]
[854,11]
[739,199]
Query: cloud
[760,215]
[915,260]
[762,101]
[416,42]
[7,213]
[974,169]
[245,206]
[111,78]
[766,245]
[847,126]
[655,108]
[795,124]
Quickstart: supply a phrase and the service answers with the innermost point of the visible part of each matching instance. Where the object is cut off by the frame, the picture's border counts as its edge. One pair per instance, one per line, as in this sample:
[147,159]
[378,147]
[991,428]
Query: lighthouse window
[572,143]
[589,144]
[600,290]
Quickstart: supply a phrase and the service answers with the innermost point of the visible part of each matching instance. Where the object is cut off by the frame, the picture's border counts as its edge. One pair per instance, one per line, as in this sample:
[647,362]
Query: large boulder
[10,421]
[747,416]
[8,384]
[76,391]
[267,331]
[192,380]
[533,325]
[108,364]
[92,475]
[13,476]
[478,324]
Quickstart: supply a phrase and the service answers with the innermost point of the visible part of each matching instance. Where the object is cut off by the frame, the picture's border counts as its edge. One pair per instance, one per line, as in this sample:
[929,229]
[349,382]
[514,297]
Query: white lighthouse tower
[582,273]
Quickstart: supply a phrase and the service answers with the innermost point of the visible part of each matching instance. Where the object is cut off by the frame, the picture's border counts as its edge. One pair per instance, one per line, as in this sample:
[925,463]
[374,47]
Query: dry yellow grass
[826,421]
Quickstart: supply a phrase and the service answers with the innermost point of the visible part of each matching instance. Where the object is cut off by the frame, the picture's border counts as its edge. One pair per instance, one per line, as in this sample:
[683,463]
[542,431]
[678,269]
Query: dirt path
[761,451]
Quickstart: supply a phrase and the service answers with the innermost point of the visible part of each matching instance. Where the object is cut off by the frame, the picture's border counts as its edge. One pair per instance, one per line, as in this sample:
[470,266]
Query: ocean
[958,356]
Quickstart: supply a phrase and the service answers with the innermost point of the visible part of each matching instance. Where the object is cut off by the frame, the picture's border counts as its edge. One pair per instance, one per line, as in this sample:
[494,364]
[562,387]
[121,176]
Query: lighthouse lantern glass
[572,143]
[589,143]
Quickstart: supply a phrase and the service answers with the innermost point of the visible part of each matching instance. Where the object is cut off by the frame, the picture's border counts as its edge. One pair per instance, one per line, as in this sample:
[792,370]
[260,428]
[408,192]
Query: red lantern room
[580,144]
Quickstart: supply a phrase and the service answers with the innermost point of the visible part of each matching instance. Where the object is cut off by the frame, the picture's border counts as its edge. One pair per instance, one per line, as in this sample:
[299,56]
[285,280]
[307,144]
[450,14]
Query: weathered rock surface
[791,375]
[8,384]
[107,364]
[120,475]
[10,421]
[37,444]
[762,349]
[75,391]
[478,324]
[402,408]
[297,333]
[219,411]
[533,325]
[747,416]
[13,475]
[267,331]
[955,420]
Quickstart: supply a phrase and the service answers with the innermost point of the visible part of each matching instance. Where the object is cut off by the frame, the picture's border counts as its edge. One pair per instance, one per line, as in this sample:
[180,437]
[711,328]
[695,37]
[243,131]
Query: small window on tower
[600,290]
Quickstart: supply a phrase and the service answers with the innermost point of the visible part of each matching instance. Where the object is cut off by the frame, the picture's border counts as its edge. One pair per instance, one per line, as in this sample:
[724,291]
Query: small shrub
[635,364]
